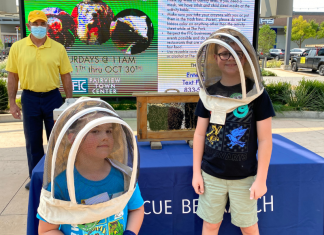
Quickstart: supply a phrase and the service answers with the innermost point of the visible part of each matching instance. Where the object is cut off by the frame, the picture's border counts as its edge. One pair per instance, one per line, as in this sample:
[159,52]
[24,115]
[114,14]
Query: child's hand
[258,189]
[198,183]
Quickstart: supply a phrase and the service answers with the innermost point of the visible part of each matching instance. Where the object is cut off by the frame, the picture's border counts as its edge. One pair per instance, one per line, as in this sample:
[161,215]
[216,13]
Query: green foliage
[301,99]
[274,64]
[18,102]
[301,30]
[307,96]
[3,75]
[267,39]
[123,105]
[3,65]
[267,73]
[320,32]
[278,92]
[314,90]
[279,108]
[1,45]
[3,95]
[312,85]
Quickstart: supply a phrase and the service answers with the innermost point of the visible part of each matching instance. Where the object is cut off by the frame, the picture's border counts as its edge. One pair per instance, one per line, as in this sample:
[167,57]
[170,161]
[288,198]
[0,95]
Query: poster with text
[117,48]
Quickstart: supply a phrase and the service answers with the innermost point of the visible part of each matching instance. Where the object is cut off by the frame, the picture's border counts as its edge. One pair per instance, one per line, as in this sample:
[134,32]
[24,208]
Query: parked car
[278,54]
[296,52]
[6,51]
[314,59]
[263,55]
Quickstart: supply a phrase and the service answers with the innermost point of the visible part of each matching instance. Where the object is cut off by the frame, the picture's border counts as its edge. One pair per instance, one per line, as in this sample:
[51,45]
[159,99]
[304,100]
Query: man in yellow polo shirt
[37,62]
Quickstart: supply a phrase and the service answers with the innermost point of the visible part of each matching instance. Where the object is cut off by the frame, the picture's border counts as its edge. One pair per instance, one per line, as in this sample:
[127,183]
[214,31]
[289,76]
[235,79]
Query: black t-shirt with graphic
[230,149]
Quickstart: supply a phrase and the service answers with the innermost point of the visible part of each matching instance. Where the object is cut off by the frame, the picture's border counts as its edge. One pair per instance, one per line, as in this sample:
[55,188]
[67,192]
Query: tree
[267,38]
[320,33]
[301,30]
[1,45]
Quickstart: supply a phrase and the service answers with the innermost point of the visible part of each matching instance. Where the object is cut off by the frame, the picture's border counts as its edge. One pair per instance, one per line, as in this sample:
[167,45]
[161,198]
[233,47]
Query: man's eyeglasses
[227,55]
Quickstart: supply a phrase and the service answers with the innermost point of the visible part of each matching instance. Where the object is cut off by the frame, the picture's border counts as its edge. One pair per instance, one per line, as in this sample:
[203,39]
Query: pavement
[292,77]
[289,73]
[14,171]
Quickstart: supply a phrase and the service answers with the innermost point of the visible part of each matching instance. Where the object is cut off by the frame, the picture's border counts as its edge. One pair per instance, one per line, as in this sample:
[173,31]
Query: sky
[300,5]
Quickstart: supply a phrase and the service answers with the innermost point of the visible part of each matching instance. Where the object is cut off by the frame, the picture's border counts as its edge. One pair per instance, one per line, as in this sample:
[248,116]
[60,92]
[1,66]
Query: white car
[296,52]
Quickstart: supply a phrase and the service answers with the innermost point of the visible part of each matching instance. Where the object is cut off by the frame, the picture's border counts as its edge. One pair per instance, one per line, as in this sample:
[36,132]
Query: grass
[268,73]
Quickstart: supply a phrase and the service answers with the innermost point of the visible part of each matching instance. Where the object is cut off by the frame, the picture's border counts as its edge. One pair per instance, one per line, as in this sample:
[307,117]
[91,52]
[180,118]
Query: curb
[300,114]
[122,113]
[127,113]
[9,118]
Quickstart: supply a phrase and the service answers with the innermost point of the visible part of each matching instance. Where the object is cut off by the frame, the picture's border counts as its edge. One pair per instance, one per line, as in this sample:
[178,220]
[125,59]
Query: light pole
[17,28]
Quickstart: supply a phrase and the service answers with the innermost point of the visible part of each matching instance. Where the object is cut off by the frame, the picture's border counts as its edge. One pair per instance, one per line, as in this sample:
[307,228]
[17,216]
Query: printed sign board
[120,47]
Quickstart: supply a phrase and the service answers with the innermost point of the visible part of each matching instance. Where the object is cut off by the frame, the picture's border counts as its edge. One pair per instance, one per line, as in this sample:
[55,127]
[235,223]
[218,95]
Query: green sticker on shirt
[241,111]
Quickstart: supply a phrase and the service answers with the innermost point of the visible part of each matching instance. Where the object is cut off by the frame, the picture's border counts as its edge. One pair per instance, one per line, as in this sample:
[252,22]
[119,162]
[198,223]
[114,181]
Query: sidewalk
[14,172]
[292,77]
[289,73]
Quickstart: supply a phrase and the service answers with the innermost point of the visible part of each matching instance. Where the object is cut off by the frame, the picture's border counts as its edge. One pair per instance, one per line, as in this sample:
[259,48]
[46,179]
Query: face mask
[38,31]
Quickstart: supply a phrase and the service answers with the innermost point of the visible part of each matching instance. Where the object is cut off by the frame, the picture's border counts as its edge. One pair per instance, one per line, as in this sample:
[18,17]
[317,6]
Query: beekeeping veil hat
[79,119]
[209,73]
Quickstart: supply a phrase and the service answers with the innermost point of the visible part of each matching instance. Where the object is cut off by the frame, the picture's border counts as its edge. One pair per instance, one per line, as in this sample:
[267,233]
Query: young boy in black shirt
[224,156]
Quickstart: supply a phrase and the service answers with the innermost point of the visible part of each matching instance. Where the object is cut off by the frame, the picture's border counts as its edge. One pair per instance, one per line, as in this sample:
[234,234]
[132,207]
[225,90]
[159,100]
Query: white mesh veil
[209,73]
[88,134]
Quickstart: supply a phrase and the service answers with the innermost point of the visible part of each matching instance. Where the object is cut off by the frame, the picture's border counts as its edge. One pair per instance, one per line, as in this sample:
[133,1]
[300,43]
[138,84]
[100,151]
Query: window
[305,53]
[321,52]
[312,53]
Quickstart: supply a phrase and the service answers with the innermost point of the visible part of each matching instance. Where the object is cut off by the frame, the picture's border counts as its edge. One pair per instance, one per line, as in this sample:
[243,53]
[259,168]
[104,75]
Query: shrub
[3,65]
[274,64]
[18,102]
[280,108]
[312,84]
[279,92]
[314,91]
[268,73]
[4,75]
[3,95]
[302,99]
[123,104]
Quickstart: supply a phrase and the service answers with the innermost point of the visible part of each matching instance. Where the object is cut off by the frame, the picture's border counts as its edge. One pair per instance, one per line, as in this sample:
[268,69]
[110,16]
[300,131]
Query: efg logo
[80,85]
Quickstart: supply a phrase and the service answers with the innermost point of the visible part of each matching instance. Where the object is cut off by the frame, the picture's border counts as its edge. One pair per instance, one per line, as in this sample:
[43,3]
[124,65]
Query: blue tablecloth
[293,205]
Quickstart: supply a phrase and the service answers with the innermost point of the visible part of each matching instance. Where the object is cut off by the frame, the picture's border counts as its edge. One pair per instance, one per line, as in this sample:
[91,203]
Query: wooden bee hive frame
[142,99]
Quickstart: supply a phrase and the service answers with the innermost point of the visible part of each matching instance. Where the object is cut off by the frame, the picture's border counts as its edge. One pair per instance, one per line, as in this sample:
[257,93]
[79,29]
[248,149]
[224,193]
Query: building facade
[9,23]
[278,26]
